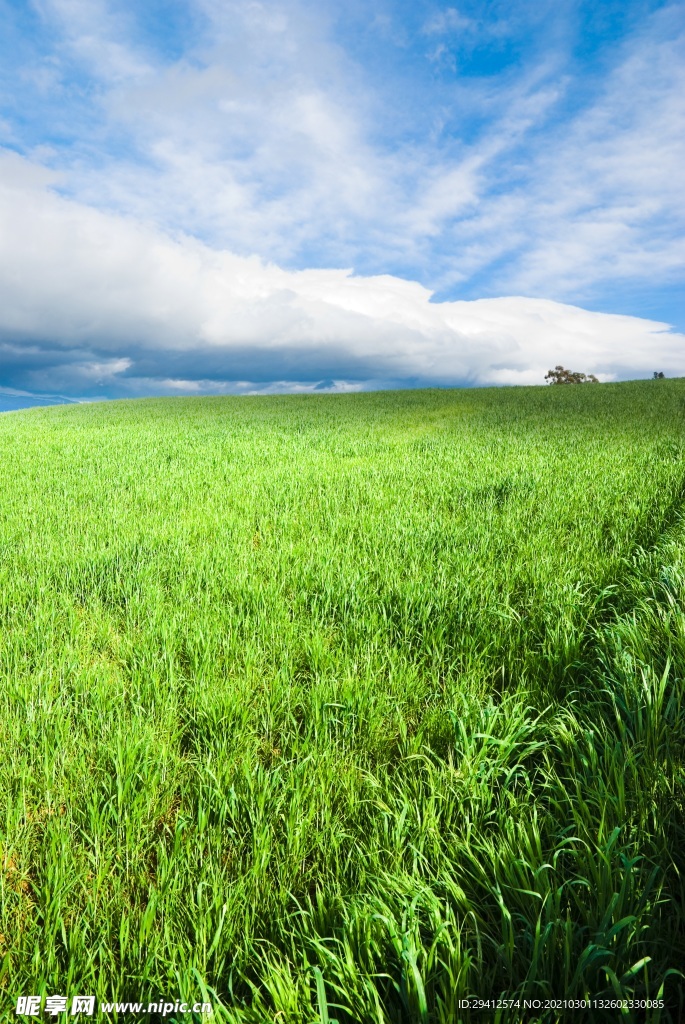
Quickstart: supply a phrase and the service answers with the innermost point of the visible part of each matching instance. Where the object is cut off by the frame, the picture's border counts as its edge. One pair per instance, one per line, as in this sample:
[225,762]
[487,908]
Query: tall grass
[346,708]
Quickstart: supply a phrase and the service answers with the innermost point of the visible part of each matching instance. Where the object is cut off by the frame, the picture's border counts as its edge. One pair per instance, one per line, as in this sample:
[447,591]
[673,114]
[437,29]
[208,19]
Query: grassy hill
[347,707]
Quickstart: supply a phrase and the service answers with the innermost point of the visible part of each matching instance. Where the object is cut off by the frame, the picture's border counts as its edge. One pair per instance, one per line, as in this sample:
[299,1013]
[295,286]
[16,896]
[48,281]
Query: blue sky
[209,195]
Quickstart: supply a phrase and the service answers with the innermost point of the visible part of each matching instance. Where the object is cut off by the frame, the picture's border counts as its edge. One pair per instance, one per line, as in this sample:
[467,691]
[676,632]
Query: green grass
[346,707]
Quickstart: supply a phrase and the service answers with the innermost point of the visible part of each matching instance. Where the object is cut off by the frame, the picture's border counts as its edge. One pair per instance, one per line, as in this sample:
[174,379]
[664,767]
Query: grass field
[346,707]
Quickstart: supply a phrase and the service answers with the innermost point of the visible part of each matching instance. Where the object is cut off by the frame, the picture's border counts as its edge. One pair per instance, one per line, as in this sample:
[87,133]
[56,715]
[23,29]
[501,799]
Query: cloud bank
[98,303]
[176,178]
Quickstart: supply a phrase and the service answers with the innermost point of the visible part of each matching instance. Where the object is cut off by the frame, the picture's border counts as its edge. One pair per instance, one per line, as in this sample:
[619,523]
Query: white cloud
[599,197]
[257,140]
[96,36]
[447,21]
[266,137]
[91,299]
